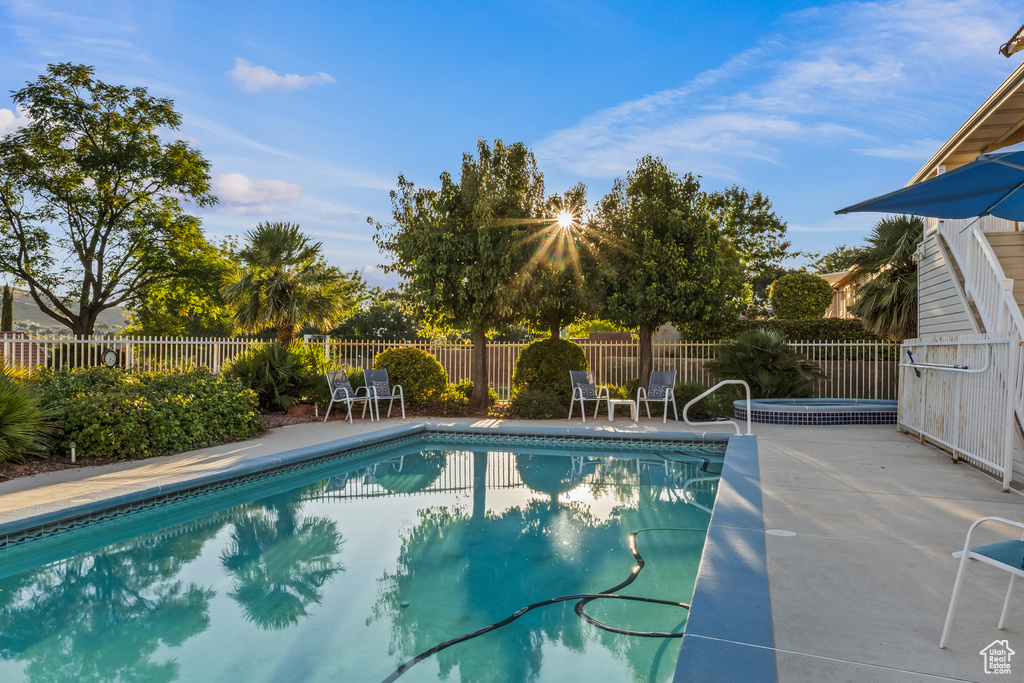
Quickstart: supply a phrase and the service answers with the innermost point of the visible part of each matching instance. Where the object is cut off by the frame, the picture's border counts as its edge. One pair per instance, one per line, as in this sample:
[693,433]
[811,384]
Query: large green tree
[189,302]
[381,315]
[462,249]
[888,300]
[92,202]
[661,256]
[284,282]
[563,263]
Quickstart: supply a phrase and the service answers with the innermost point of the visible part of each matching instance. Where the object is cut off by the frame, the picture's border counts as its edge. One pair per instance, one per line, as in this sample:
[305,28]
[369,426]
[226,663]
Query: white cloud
[914,150]
[842,75]
[11,121]
[236,188]
[256,78]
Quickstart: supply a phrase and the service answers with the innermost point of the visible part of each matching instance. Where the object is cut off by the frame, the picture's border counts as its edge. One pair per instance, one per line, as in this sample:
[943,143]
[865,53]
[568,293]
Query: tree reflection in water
[457,572]
[280,560]
[102,616]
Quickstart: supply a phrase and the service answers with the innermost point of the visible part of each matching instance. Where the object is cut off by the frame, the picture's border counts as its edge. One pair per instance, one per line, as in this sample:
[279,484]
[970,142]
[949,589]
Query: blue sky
[309,111]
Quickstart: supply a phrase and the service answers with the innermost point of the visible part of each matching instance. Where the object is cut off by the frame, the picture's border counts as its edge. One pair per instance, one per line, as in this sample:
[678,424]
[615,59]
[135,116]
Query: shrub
[452,402]
[25,428]
[764,360]
[282,376]
[539,404]
[421,376]
[540,384]
[544,365]
[112,413]
[800,295]
[813,329]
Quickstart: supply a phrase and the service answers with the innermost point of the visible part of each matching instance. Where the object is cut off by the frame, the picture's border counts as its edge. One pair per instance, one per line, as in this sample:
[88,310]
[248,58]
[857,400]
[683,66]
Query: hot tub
[818,411]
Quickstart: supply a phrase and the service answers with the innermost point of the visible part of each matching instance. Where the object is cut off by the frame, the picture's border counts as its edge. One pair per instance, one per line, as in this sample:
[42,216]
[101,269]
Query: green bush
[814,329]
[282,376]
[421,376]
[544,365]
[25,427]
[764,360]
[113,413]
[539,404]
[800,295]
[452,402]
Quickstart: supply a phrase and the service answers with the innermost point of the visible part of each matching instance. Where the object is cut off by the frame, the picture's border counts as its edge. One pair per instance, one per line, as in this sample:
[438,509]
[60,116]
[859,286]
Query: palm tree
[888,301]
[284,282]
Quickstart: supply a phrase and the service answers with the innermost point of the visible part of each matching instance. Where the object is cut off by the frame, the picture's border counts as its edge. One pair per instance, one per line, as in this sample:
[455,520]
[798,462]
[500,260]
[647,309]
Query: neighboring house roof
[997,123]
[839,279]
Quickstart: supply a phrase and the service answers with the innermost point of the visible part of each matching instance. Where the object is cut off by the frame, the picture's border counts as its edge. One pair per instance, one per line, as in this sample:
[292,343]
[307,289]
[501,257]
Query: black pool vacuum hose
[583,599]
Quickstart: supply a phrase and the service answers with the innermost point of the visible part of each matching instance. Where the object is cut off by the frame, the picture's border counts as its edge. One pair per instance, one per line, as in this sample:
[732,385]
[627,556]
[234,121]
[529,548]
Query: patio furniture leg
[1006,603]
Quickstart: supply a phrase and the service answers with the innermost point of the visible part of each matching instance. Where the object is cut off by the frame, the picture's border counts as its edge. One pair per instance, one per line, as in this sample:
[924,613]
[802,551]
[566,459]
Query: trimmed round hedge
[422,378]
[540,385]
[800,295]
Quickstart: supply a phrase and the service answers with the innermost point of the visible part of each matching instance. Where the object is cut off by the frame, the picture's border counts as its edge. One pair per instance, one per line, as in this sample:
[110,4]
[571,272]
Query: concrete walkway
[858,594]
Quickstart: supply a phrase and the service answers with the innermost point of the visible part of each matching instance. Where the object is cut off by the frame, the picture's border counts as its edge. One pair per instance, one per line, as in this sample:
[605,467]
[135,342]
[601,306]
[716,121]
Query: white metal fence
[961,392]
[852,369]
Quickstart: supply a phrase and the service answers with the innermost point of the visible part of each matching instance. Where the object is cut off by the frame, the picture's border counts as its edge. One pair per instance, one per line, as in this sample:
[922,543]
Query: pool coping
[731,636]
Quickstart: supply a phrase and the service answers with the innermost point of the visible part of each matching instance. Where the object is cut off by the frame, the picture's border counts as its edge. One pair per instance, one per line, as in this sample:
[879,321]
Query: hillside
[28,317]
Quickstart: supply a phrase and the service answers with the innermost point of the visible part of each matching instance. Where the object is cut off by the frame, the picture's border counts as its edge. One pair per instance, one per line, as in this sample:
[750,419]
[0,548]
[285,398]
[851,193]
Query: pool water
[343,573]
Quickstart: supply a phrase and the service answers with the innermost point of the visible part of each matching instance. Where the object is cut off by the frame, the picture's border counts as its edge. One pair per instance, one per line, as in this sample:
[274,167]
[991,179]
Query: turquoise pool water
[345,570]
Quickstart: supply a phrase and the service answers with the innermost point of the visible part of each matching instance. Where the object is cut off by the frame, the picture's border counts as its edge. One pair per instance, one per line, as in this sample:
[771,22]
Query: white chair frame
[396,391]
[340,395]
[966,555]
[641,396]
[577,393]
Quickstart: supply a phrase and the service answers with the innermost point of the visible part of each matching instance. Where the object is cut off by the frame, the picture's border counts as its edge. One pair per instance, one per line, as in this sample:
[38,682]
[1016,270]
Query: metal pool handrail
[746,386]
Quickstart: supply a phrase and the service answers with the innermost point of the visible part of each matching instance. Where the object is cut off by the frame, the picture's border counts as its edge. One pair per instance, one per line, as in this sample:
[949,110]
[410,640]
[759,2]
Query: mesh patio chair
[659,390]
[584,388]
[1005,555]
[380,388]
[342,392]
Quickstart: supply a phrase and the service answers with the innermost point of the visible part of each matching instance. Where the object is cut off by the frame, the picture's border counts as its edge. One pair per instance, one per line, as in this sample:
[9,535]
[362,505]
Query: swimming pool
[345,568]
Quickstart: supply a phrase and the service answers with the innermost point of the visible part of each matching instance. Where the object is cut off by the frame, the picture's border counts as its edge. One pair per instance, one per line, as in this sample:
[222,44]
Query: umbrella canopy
[989,185]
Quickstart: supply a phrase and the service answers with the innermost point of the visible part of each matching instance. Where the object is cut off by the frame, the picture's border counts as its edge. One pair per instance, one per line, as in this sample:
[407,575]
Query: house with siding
[970,291]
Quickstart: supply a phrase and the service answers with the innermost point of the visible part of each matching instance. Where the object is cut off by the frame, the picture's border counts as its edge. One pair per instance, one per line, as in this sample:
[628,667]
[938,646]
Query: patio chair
[1005,555]
[342,392]
[380,387]
[584,388]
[659,390]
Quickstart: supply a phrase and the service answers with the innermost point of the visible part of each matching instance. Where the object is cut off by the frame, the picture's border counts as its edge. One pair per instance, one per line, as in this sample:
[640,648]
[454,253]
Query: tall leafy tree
[7,312]
[91,200]
[462,249]
[661,257]
[888,300]
[836,260]
[284,282]
[753,240]
[382,315]
[188,303]
[564,262]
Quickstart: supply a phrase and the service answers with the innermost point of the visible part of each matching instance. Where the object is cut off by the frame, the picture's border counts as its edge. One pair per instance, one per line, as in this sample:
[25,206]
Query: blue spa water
[343,571]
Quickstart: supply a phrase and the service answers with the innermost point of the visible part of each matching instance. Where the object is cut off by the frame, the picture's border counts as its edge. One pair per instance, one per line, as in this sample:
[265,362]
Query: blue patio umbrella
[989,185]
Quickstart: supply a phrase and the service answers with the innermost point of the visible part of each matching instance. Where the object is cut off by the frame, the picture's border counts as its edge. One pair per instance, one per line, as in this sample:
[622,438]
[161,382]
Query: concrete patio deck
[859,592]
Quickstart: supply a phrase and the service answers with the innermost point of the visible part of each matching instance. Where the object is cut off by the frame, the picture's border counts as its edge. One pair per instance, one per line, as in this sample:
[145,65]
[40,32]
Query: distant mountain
[29,318]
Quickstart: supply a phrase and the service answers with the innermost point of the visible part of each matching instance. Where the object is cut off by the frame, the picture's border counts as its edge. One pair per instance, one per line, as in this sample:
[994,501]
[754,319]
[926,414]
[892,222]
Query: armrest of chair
[641,394]
[363,388]
[979,522]
[397,391]
[607,396]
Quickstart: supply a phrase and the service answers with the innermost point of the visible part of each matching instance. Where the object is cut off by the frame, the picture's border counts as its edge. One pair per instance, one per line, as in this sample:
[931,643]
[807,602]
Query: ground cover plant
[121,415]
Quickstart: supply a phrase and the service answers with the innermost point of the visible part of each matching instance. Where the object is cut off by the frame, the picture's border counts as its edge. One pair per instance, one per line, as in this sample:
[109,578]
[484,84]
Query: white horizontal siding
[940,306]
